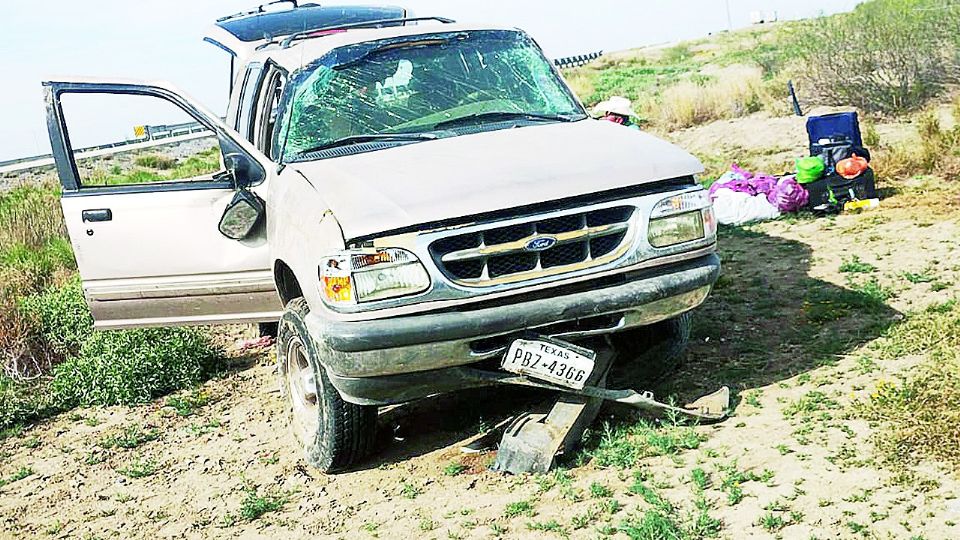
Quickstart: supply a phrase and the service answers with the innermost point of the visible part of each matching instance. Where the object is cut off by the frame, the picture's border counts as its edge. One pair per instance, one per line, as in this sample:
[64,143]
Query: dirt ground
[792,462]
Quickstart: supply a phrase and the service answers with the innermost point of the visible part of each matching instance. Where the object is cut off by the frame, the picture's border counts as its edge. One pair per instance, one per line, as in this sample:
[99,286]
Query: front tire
[648,354]
[333,433]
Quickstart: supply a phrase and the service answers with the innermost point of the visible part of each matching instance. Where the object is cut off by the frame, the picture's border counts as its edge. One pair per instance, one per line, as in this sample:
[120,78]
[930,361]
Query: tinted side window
[248,96]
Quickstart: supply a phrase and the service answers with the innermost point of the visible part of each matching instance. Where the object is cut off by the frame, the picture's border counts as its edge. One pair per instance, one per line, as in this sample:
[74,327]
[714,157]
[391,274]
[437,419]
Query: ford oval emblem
[540,243]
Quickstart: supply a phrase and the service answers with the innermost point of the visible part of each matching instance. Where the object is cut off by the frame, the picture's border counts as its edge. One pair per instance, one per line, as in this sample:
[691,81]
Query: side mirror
[239,168]
[242,215]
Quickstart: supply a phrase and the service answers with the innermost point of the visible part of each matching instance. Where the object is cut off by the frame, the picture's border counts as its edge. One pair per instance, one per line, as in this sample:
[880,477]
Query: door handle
[103,214]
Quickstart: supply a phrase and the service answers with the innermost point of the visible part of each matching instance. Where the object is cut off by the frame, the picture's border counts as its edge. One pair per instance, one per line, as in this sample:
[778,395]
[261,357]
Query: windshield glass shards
[420,85]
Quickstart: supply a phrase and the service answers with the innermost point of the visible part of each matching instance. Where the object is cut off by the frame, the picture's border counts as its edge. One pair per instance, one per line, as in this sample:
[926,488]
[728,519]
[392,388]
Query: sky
[162,39]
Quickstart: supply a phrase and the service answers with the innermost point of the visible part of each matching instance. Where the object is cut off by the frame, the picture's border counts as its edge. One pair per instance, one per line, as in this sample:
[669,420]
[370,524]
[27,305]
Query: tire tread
[346,432]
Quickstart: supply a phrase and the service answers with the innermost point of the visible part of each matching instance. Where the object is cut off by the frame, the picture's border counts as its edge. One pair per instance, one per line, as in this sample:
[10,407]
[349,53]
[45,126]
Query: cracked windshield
[407,91]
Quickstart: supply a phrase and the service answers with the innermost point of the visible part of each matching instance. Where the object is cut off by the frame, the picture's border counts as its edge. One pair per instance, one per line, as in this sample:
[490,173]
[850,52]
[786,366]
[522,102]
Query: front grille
[503,254]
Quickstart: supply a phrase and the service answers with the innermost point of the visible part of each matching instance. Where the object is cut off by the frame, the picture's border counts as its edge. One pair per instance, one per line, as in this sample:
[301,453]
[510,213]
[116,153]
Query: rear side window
[248,97]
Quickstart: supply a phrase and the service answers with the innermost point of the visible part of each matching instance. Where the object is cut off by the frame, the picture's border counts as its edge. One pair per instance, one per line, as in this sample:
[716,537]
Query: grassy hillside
[888,56]
[727,76]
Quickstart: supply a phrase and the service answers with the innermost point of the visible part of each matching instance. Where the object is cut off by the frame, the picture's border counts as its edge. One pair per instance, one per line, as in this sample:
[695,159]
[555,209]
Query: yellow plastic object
[858,206]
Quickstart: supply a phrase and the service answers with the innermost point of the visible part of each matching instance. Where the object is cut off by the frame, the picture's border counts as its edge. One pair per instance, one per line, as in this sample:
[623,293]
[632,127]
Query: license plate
[557,362]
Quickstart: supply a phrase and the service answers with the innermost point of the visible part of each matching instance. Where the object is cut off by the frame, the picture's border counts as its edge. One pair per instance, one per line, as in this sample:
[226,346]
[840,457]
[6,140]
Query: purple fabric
[763,183]
[788,195]
[738,170]
[739,179]
[784,193]
[724,182]
[738,185]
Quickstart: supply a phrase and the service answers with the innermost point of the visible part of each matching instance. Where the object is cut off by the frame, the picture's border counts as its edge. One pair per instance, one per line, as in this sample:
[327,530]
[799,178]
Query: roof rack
[296,4]
[368,24]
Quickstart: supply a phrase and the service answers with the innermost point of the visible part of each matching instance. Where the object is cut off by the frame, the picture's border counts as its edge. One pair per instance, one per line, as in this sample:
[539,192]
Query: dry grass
[933,150]
[581,83]
[919,416]
[674,89]
[34,253]
[30,216]
[733,92]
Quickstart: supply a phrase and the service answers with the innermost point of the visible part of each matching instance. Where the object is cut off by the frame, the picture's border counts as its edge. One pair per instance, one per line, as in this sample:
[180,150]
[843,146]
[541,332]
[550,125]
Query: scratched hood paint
[461,176]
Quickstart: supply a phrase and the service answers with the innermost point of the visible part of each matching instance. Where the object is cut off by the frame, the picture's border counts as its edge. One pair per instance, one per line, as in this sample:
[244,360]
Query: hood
[461,176]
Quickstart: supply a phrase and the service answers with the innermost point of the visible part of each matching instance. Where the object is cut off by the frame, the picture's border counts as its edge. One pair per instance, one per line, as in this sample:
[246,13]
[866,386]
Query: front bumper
[403,358]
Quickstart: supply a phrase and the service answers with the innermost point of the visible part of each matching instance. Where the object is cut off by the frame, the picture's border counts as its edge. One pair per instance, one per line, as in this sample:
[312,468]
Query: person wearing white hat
[618,110]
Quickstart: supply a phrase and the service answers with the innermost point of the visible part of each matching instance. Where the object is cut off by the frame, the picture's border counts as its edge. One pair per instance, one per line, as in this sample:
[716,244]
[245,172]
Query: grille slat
[503,254]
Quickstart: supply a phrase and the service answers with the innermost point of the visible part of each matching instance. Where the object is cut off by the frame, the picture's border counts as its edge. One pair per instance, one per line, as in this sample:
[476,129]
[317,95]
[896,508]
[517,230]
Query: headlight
[365,275]
[678,204]
[669,231]
[682,218]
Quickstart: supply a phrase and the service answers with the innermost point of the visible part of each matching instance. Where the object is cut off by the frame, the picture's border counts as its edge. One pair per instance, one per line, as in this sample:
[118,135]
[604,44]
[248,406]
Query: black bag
[837,127]
[832,191]
[835,152]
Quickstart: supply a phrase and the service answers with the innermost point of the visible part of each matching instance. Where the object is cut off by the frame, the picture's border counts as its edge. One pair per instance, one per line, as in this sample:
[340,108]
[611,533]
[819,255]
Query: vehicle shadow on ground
[767,320]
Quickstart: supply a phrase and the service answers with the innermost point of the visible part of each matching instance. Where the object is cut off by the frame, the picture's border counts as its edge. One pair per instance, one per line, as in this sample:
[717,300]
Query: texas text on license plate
[550,360]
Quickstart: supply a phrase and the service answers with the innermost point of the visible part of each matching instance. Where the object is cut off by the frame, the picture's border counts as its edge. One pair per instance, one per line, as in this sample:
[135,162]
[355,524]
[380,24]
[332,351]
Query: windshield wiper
[358,139]
[508,115]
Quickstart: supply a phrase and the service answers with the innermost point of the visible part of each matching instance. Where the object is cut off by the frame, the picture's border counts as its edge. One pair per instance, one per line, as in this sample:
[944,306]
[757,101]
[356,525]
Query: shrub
[38,263]
[155,161]
[100,177]
[34,253]
[634,80]
[60,317]
[934,150]
[203,162]
[128,367]
[19,402]
[886,56]
[678,53]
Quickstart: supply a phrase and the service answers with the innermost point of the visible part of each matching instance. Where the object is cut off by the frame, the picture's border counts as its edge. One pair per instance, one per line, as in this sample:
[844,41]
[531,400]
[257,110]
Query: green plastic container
[810,169]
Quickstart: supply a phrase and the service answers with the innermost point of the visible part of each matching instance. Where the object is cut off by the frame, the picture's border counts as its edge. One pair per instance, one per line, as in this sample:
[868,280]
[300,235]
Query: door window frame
[267,104]
[66,161]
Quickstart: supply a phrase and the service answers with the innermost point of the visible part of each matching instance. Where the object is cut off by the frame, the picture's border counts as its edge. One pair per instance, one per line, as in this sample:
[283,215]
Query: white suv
[424,207]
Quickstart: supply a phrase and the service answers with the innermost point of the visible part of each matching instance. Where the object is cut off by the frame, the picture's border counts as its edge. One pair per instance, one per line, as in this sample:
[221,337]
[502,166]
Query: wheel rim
[303,391]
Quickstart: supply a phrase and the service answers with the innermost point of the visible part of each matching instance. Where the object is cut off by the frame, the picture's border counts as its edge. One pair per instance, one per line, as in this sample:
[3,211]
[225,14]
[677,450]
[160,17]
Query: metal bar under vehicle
[530,443]
[710,408]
